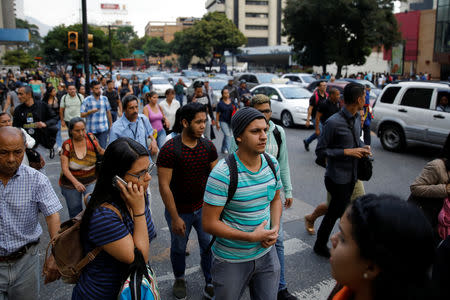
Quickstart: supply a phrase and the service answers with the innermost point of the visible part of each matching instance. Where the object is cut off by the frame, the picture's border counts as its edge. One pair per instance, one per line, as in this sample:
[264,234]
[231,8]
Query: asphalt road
[308,275]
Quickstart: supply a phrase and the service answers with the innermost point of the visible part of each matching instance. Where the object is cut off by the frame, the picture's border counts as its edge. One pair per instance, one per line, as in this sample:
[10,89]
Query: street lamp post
[85,46]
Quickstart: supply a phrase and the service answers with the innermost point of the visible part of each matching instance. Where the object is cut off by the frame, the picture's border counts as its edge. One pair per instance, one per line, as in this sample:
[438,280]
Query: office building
[166,30]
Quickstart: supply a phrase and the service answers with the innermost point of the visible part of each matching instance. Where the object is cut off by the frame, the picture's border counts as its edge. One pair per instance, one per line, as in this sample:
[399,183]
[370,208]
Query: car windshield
[217,84]
[266,78]
[294,93]
[308,79]
[160,81]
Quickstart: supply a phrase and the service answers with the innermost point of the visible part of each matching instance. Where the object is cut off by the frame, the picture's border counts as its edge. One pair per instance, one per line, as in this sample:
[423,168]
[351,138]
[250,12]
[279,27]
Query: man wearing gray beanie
[246,222]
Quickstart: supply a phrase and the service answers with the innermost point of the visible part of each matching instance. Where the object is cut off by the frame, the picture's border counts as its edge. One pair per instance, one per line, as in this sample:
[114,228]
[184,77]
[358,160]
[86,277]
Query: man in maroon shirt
[184,164]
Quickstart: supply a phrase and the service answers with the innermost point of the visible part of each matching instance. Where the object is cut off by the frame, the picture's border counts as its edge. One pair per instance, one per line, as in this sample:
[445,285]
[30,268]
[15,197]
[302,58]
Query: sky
[139,12]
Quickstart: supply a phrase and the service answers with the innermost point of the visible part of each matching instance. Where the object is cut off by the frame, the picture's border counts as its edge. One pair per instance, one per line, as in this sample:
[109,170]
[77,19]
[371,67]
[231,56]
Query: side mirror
[274,97]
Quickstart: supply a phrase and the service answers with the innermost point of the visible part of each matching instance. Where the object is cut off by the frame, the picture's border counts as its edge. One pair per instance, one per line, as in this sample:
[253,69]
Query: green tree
[340,31]
[33,48]
[156,47]
[213,34]
[55,47]
[137,43]
[19,58]
[125,34]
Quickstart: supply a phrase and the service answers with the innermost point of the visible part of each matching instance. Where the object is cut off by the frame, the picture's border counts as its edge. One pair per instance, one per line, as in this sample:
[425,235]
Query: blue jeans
[314,135]
[180,99]
[74,199]
[280,253]
[161,138]
[20,279]
[102,138]
[114,115]
[178,245]
[226,136]
[58,135]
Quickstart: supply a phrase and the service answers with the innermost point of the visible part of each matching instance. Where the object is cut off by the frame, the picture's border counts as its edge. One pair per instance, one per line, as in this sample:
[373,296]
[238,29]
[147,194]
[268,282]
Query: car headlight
[300,109]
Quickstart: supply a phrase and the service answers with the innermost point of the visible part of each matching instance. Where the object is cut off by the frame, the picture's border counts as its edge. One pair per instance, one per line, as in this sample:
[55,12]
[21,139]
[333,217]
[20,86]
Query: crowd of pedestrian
[384,249]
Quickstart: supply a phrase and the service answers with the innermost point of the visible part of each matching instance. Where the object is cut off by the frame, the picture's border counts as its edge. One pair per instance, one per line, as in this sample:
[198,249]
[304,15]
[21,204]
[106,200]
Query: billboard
[397,59]
[112,6]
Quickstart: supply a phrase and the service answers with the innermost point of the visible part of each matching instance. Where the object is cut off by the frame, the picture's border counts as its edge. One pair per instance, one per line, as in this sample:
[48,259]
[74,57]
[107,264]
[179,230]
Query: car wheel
[286,119]
[392,138]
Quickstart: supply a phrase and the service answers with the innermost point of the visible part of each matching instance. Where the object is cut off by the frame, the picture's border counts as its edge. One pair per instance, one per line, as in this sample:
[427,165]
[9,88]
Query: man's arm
[318,116]
[108,113]
[310,109]
[164,178]
[50,268]
[285,175]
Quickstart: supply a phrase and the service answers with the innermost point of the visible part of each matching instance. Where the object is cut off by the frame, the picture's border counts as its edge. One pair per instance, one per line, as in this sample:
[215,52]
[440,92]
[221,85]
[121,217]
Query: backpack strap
[277,135]
[271,165]
[177,146]
[92,254]
[79,98]
[230,160]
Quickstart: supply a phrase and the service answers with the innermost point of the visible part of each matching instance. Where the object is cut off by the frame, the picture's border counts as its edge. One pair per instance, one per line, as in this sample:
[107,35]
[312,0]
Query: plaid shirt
[97,122]
[25,194]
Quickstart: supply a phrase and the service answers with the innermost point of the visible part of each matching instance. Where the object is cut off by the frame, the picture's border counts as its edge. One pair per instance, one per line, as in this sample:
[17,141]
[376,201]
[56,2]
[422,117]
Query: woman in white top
[170,107]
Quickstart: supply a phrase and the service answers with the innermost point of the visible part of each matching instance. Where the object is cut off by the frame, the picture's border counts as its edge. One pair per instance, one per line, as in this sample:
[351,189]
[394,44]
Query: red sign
[110,6]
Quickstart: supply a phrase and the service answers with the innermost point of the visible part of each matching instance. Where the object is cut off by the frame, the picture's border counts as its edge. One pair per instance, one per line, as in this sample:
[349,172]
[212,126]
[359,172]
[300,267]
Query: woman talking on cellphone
[118,235]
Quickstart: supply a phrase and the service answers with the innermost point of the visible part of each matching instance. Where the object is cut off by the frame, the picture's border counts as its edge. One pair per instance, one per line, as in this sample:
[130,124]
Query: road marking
[317,292]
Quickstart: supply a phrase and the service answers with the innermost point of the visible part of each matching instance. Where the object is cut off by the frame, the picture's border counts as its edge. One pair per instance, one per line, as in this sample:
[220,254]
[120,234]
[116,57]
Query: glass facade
[442,40]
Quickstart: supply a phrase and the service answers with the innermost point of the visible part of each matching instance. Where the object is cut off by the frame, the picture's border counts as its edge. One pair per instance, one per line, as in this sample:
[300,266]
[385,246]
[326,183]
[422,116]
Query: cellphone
[117,178]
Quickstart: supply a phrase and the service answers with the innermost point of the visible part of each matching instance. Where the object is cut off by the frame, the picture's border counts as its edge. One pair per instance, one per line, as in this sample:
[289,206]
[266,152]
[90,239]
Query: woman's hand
[79,187]
[133,196]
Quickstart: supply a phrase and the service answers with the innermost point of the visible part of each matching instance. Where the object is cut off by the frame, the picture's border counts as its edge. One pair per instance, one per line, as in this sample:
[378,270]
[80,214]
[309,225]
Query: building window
[442,35]
[257,15]
[254,42]
[255,2]
[256,27]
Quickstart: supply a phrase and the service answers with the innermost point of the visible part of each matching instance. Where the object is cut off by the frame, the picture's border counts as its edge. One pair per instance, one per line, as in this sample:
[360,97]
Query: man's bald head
[12,150]
[11,133]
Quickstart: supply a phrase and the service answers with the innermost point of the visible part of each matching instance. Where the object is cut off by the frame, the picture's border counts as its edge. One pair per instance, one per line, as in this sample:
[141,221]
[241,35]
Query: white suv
[406,111]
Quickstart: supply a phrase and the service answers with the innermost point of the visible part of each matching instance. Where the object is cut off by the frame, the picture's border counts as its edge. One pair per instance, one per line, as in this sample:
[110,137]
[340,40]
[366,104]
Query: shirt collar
[347,114]
[126,122]
[20,171]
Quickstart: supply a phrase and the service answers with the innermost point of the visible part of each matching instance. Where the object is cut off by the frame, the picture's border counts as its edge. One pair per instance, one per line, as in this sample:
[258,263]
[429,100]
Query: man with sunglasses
[276,146]
[134,125]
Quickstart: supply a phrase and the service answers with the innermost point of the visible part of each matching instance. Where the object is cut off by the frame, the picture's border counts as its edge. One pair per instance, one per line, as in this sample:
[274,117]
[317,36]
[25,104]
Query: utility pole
[86,46]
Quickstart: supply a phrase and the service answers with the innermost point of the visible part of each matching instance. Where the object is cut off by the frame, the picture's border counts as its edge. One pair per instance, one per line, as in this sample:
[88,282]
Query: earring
[365,276]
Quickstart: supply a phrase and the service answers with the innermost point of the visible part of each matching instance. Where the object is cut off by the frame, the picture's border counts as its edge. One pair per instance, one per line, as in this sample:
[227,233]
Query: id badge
[30,119]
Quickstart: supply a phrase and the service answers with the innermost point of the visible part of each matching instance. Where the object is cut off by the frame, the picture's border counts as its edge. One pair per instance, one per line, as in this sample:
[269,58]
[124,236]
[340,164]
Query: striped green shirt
[249,207]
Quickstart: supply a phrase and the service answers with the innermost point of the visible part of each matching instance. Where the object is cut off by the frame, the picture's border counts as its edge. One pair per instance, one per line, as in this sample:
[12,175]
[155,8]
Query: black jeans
[340,198]
[366,130]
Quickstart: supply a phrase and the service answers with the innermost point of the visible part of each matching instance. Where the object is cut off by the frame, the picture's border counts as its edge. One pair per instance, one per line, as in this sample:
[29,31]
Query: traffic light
[72,40]
[90,40]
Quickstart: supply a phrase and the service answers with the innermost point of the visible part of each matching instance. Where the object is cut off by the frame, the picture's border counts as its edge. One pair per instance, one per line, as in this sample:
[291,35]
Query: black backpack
[277,135]
[232,187]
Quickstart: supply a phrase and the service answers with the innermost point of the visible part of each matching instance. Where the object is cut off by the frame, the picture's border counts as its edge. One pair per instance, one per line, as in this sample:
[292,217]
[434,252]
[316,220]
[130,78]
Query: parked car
[289,102]
[302,79]
[216,84]
[374,91]
[192,74]
[160,85]
[406,111]
[254,79]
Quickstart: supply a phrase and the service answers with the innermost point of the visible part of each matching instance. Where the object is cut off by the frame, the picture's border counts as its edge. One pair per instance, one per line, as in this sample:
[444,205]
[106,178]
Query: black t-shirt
[112,98]
[315,103]
[327,109]
[190,172]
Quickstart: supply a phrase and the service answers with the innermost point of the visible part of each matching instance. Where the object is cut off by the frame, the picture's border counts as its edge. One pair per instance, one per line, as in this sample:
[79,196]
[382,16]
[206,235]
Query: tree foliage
[339,31]
[214,33]
[33,48]
[56,50]
[19,58]
[125,34]
[137,43]
[156,47]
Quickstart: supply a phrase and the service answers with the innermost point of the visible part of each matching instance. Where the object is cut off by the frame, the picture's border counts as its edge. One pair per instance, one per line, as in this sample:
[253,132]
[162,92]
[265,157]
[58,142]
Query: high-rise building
[442,38]
[258,20]
[413,5]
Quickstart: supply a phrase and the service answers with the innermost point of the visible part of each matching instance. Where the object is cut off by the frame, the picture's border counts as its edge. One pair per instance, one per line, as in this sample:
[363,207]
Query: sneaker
[306,145]
[285,295]
[52,153]
[179,288]
[208,292]
[322,250]
[225,151]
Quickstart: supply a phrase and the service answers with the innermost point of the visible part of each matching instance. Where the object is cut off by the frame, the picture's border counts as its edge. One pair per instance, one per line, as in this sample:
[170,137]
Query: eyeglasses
[265,111]
[142,173]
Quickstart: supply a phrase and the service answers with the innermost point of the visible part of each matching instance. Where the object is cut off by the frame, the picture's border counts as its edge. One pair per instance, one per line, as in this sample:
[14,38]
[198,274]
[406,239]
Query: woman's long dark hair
[118,159]
[396,237]
[48,94]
